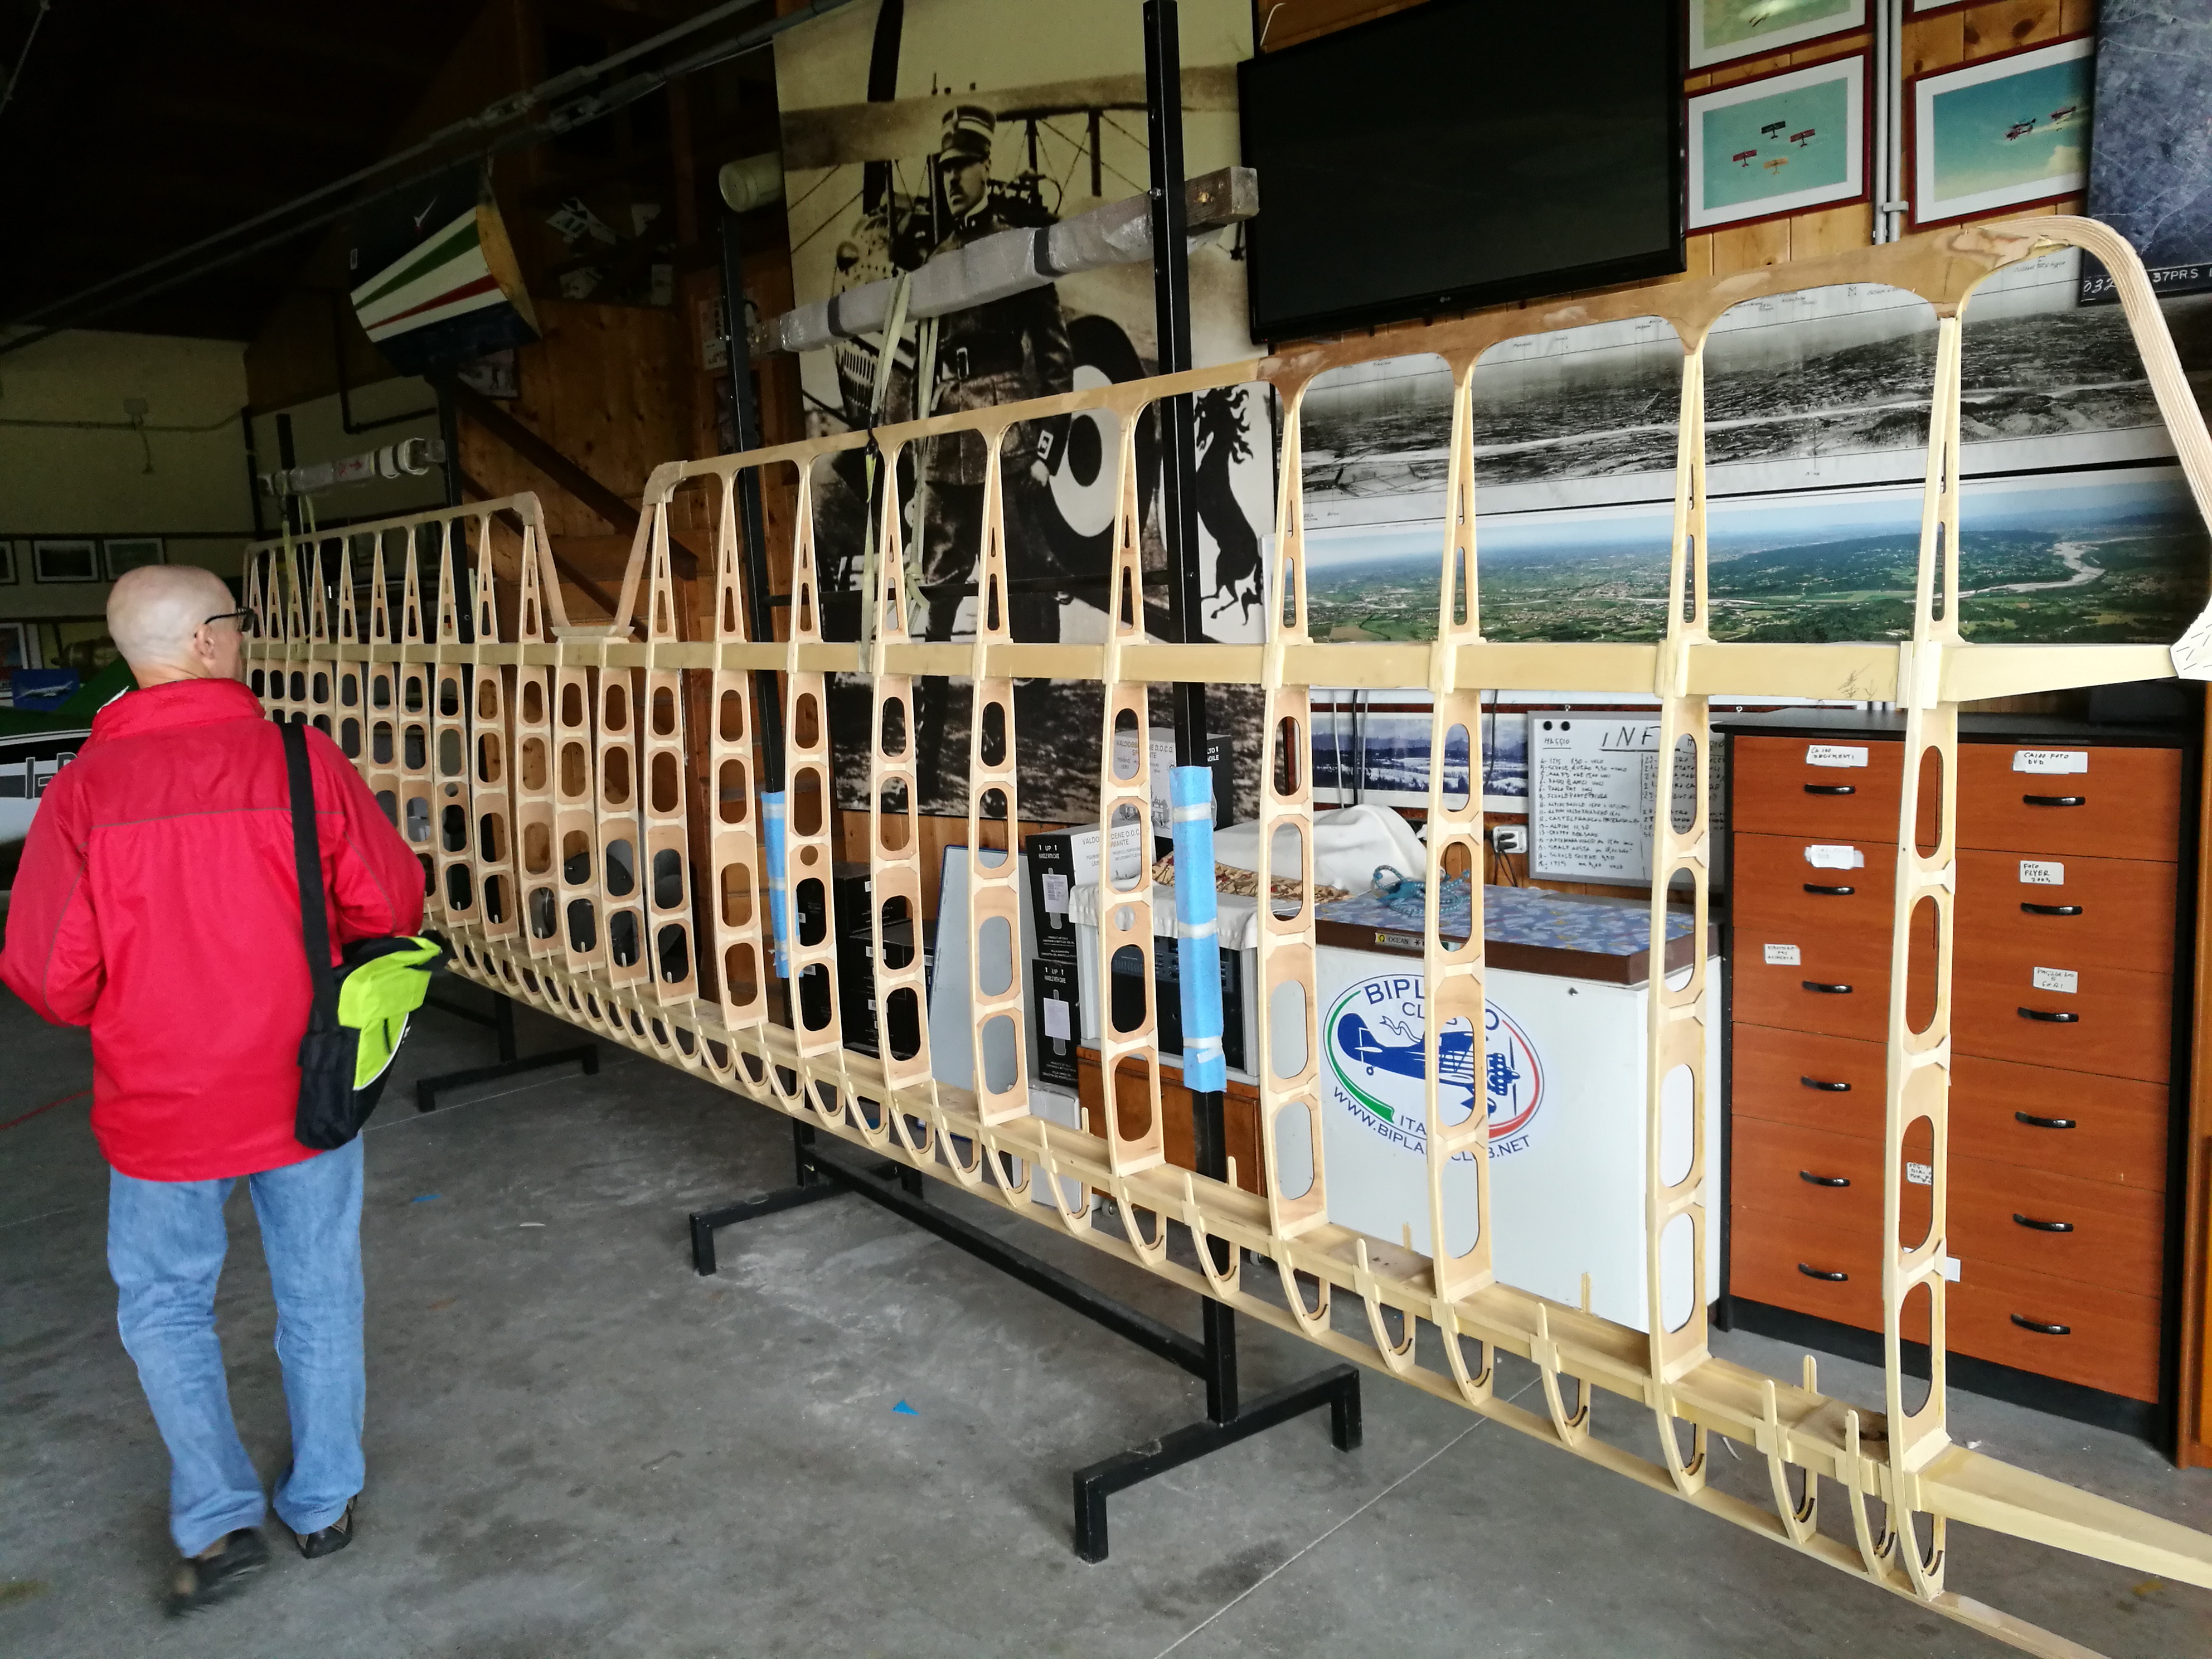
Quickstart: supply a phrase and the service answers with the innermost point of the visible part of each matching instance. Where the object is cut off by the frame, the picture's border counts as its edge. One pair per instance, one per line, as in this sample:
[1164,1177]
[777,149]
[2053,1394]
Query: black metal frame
[502,1021]
[1211,1360]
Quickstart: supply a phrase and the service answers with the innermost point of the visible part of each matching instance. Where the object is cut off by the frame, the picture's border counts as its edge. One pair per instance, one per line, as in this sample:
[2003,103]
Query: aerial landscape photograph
[2097,557]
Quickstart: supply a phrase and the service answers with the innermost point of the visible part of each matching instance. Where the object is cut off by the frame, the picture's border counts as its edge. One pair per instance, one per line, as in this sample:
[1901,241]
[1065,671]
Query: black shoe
[328,1540]
[203,1580]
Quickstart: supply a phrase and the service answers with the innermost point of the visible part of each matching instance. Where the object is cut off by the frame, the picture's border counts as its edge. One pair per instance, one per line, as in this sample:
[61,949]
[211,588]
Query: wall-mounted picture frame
[7,571]
[1923,8]
[1723,30]
[1778,144]
[123,553]
[2007,132]
[73,560]
[19,643]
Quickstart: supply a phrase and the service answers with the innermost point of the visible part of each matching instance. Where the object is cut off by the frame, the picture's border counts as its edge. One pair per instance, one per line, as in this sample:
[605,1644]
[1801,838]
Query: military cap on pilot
[968,132]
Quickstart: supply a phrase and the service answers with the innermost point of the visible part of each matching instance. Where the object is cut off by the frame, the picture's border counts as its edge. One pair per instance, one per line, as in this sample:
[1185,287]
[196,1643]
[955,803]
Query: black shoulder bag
[361,1006]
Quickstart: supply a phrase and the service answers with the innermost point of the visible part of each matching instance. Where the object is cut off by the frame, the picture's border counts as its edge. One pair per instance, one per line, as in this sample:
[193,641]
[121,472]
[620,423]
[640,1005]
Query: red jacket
[157,902]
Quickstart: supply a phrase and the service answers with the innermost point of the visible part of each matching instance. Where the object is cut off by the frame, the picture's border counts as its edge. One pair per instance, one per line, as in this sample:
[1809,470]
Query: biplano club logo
[1373,1043]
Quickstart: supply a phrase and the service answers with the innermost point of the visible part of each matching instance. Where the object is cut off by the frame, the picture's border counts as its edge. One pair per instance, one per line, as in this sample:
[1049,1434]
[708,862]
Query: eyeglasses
[248,622]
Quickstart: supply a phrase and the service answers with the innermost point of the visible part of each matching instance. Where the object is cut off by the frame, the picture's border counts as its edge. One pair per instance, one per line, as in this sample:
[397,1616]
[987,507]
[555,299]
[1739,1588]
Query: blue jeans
[166,1241]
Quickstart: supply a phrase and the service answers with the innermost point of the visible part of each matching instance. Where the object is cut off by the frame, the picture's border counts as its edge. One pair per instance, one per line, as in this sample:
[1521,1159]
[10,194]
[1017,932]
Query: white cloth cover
[1237,919]
[1348,843]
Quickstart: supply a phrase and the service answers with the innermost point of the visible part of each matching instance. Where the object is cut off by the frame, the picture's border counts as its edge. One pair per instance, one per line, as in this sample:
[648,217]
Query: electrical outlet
[1510,837]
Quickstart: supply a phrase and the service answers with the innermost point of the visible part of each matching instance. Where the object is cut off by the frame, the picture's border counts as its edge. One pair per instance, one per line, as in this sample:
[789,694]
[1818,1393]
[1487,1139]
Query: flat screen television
[1463,153]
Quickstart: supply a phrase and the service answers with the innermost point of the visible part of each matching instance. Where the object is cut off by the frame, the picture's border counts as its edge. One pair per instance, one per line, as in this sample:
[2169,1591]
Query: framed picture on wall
[7,561]
[1722,31]
[128,553]
[1921,8]
[2011,131]
[1778,144]
[17,645]
[71,561]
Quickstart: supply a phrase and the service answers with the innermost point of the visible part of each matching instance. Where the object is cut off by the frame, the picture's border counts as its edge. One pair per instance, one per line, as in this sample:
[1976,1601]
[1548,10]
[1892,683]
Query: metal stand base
[501,1020]
[1212,1360]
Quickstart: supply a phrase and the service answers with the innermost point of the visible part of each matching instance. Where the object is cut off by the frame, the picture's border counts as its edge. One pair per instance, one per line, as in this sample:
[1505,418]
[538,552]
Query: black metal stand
[502,1021]
[1211,1360]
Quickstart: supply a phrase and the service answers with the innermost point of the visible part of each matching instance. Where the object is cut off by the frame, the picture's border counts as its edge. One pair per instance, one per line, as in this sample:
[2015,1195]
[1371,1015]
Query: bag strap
[307,858]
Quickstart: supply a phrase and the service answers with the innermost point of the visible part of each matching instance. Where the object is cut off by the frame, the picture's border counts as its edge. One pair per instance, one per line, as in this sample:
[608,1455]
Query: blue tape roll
[779,907]
[1198,942]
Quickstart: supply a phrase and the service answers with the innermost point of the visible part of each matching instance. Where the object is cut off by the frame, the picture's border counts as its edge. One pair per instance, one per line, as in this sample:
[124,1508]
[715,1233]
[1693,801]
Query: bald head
[157,616]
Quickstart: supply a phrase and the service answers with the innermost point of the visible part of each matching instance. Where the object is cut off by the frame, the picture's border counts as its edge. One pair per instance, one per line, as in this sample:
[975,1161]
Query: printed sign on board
[1377,1068]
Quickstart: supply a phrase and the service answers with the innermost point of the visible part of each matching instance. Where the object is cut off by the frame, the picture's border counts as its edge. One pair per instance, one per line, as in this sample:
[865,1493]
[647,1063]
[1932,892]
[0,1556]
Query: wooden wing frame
[557,773]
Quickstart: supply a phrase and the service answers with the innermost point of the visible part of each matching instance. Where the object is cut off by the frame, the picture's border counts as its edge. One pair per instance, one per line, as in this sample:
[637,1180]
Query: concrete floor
[577,1447]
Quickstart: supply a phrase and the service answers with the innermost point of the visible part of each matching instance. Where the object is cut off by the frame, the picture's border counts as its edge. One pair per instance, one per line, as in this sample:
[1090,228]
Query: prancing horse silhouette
[1221,428]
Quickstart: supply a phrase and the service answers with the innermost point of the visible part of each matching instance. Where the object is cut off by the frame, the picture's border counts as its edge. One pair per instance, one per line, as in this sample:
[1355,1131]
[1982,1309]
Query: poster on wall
[2011,131]
[1722,31]
[1814,399]
[1364,753]
[2150,165]
[913,128]
[2088,557]
[1779,144]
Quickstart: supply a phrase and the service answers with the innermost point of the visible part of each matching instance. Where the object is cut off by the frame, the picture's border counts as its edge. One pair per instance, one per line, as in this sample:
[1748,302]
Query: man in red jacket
[158,903]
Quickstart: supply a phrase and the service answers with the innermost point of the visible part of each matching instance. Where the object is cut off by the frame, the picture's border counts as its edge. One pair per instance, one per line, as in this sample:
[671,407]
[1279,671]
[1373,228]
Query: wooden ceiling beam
[568,474]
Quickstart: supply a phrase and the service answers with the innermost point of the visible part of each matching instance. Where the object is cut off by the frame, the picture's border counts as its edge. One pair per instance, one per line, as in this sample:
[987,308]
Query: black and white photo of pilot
[1027,128]
[1004,352]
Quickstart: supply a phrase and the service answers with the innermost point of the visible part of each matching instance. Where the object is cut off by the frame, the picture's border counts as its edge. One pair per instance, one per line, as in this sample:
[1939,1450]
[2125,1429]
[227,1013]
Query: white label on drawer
[2056,979]
[2049,760]
[2043,872]
[1055,1018]
[1834,754]
[1948,1266]
[1056,896]
[1920,1175]
[1835,858]
[1783,956]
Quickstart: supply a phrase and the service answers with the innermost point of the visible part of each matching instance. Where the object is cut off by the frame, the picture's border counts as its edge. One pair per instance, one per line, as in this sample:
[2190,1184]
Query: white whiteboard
[1593,780]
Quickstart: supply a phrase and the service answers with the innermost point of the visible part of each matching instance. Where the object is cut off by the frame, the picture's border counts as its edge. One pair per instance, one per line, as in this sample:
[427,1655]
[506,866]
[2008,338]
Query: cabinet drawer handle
[1825,990]
[1833,1088]
[2050,909]
[2037,1325]
[2034,1122]
[2054,800]
[1832,1181]
[1831,789]
[1830,892]
[1815,1273]
[2051,1015]
[2044,1226]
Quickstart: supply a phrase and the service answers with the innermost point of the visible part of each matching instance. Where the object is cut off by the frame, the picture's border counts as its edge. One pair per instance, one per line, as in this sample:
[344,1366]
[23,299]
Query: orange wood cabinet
[2070,884]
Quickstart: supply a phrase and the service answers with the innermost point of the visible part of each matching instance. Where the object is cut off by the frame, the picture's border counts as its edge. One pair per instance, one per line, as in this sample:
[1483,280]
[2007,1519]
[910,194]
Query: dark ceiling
[140,127]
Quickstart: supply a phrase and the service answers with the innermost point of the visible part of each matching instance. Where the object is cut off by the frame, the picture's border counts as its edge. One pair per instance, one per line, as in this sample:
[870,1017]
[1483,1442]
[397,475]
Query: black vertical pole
[1179,530]
[252,468]
[752,524]
[286,461]
[449,431]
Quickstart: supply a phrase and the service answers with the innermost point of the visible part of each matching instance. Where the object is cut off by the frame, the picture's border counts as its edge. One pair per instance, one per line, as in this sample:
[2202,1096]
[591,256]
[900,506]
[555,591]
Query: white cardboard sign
[2043,872]
[1835,858]
[2056,979]
[1835,754]
[1783,956]
[2051,760]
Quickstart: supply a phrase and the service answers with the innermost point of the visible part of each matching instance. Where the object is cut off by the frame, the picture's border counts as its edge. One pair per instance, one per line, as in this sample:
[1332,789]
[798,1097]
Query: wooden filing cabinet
[2065,1054]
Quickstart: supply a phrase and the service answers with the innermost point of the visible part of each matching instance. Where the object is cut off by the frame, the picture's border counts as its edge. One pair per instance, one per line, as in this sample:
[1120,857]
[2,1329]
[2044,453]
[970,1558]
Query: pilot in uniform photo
[1004,352]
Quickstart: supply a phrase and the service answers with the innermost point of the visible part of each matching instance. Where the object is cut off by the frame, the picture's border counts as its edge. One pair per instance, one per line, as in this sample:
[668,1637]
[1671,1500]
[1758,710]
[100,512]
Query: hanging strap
[307,858]
[887,361]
